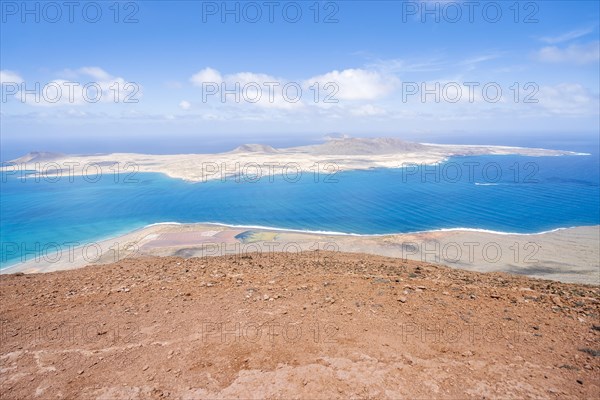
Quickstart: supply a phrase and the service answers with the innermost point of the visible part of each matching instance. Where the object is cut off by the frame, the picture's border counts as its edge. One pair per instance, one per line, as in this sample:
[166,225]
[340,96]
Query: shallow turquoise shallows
[499,193]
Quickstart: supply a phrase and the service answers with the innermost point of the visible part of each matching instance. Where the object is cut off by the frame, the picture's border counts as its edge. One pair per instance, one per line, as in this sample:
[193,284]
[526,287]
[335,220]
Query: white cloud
[368,110]
[569,99]
[87,85]
[7,76]
[479,59]
[575,54]
[185,105]
[357,84]
[252,89]
[326,92]
[95,72]
[565,37]
[205,76]
[392,66]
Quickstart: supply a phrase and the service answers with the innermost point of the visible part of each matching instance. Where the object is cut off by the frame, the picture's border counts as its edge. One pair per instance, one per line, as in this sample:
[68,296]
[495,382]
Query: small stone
[80,372]
[145,368]
[402,299]
[556,300]
[580,381]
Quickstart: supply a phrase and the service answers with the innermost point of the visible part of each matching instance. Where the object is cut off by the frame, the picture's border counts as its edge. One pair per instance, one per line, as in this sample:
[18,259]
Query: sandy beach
[567,255]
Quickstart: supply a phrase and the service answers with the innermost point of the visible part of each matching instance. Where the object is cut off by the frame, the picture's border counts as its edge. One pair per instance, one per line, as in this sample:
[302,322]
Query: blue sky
[374,53]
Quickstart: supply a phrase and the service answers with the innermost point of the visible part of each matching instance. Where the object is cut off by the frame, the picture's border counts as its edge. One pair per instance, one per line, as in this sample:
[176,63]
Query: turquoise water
[547,193]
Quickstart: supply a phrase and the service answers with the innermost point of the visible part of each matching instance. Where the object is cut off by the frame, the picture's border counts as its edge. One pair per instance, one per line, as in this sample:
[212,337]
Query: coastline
[563,254]
[336,233]
[569,254]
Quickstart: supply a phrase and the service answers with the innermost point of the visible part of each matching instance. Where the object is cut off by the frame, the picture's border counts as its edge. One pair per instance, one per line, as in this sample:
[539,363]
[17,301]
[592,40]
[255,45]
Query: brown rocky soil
[311,325]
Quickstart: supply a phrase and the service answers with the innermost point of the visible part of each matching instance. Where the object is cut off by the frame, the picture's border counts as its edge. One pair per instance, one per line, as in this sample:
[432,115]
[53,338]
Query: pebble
[556,300]
[402,299]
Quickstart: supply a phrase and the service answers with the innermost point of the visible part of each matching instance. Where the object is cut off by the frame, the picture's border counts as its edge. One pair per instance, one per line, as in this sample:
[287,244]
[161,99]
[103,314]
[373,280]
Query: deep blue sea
[499,193]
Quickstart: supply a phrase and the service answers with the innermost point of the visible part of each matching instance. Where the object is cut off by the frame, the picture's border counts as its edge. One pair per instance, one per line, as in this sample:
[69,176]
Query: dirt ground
[314,325]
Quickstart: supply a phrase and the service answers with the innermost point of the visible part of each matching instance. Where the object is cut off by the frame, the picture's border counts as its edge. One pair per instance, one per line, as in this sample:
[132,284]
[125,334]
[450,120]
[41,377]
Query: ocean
[512,194]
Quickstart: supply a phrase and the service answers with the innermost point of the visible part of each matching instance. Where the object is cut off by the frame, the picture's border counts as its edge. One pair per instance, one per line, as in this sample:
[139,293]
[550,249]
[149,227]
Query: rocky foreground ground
[314,325]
